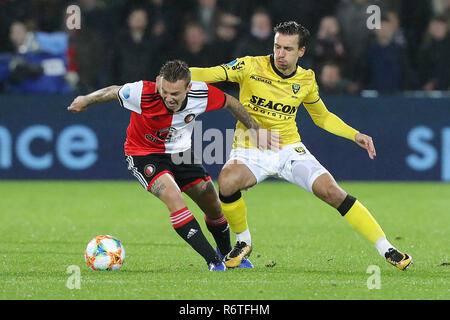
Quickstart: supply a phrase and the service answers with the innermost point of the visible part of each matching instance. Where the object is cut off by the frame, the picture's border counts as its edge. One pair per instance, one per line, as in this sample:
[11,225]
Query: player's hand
[267,139]
[364,141]
[79,104]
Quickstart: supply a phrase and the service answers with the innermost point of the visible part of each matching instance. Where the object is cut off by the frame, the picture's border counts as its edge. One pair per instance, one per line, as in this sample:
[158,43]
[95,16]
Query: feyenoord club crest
[189,118]
[149,170]
[295,87]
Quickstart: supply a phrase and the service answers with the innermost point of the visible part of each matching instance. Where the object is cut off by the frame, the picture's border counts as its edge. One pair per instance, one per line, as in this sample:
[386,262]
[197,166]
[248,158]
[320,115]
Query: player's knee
[326,189]
[228,183]
[214,210]
[210,197]
[208,190]
[334,195]
[172,197]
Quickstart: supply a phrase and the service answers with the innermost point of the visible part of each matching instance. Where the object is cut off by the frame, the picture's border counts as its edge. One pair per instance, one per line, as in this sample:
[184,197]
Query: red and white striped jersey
[155,129]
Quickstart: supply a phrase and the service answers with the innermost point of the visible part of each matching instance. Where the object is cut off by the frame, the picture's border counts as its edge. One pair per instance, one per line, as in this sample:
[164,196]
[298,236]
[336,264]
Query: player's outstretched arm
[80,103]
[333,124]
[265,139]
[209,75]
[366,142]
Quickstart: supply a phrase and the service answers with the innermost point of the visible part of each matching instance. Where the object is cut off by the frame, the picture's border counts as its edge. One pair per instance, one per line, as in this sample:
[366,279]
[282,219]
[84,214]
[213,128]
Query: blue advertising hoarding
[40,139]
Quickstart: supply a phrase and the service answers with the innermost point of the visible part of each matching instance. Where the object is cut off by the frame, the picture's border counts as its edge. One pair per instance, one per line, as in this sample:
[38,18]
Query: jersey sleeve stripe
[198,97]
[198,94]
[311,102]
[226,73]
[198,90]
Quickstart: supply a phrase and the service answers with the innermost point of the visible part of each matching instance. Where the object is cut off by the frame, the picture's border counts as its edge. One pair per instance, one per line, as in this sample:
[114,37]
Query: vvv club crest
[295,87]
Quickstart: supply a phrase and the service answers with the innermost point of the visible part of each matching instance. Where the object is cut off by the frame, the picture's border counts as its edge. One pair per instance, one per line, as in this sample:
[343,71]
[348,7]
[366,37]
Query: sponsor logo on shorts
[149,170]
[300,150]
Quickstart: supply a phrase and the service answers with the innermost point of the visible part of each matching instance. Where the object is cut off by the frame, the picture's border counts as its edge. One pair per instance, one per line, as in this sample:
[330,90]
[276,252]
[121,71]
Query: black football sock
[220,230]
[188,228]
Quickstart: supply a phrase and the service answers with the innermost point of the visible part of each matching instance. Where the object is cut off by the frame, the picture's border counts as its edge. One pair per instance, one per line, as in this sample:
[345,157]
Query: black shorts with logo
[184,167]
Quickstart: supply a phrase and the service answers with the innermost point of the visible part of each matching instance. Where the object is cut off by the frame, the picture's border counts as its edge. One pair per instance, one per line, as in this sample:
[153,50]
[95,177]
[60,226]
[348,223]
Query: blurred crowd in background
[123,41]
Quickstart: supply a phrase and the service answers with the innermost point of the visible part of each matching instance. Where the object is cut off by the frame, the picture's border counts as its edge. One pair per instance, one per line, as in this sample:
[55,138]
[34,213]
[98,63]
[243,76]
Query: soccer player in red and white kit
[158,149]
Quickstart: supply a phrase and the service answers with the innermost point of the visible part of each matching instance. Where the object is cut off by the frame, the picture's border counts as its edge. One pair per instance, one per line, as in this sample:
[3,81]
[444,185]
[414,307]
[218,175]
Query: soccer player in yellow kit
[272,88]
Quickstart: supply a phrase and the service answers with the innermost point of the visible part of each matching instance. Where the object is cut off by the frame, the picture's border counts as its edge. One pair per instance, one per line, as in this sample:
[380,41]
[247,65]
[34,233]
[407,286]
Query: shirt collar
[283,76]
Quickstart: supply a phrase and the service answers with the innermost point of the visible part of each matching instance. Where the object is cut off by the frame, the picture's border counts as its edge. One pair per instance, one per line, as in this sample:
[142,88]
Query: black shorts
[183,167]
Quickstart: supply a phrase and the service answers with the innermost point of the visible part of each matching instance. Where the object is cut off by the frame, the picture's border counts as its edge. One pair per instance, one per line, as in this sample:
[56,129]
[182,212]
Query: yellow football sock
[236,214]
[361,220]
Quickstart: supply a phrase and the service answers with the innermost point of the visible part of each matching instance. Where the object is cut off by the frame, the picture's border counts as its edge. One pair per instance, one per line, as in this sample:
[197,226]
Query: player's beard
[282,67]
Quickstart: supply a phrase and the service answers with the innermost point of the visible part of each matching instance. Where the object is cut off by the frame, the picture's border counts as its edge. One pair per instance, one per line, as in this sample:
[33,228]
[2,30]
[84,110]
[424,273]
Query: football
[104,253]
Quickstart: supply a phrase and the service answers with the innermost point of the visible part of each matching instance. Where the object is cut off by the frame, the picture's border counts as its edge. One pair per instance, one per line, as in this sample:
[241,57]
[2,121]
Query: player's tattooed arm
[239,112]
[103,95]
[81,103]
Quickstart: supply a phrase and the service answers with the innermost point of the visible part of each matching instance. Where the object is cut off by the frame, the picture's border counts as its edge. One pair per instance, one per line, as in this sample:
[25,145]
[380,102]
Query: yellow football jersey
[270,97]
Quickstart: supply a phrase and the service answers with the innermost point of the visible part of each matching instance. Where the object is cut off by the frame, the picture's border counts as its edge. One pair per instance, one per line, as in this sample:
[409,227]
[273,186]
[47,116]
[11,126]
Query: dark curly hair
[294,28]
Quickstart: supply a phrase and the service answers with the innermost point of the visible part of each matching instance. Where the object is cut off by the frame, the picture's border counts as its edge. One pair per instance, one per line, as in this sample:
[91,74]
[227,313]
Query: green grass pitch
[303,249]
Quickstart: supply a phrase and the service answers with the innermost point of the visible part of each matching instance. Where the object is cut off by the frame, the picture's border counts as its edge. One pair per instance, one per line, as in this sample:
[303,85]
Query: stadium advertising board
[39,139]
